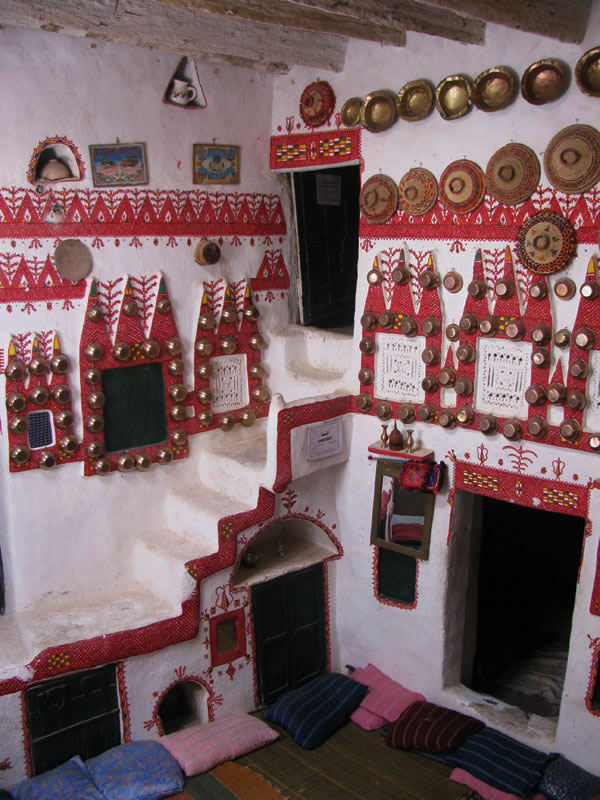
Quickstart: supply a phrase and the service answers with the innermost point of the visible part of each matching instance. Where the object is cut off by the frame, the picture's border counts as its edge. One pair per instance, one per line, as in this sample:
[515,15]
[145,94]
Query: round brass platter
[378,112]
[587,72]
[572,159]
[415,100]
[73,260]
[546,243]
[351,111]
[494,89]
[512,174]
[462,186]
[453,96]
[418,191]
[543,82]
[379,199]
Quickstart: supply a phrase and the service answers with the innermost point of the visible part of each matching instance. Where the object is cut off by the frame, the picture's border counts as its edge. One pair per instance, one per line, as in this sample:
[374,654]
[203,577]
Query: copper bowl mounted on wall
[544,81]
[415,100]
[587,72]
[494,89]
[378,112]
[454,96]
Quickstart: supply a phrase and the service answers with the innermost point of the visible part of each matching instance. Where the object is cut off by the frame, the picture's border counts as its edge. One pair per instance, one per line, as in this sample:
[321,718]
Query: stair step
[194,513]
[233,462]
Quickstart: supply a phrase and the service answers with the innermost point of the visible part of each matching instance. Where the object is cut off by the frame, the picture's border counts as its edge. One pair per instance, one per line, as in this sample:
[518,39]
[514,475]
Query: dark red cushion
[425,726]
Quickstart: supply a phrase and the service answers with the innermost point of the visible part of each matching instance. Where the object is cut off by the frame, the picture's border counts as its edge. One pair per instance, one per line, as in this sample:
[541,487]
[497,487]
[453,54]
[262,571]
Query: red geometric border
[315,149]
[238,617]
[124,702]
[594,675]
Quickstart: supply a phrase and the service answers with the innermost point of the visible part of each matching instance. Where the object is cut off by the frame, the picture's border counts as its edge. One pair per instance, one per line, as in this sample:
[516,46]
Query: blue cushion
[69,781]
[315,711]
[501,761]
[564,780]
[136,771]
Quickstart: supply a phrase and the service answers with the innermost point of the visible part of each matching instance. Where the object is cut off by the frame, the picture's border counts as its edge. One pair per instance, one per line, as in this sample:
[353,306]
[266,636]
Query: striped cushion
[425,726]
[564,780]
[315,711]
[501,761]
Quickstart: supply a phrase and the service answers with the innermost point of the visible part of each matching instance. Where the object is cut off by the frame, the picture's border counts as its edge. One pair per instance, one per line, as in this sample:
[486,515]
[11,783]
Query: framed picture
[119,164]
[216,163]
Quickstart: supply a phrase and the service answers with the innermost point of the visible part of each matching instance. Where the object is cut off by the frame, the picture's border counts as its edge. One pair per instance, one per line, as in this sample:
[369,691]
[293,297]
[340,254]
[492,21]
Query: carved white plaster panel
[229,382]
[592,413]
[503,375]
[399,368]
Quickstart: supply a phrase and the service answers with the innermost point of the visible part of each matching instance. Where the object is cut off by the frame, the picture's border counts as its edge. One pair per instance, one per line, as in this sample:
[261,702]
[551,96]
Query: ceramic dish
[494,89]
[351,111]
[587,72]
[415,101]
[572,159]
[379,111]
[454,96]
[462,186]
[512,174]
[546,243]
[379,199]
[543,82]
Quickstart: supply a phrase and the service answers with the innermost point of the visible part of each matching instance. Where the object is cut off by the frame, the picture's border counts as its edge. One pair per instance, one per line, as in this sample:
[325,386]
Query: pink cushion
[484,789]
[367,720]
[387,698]
[201,747]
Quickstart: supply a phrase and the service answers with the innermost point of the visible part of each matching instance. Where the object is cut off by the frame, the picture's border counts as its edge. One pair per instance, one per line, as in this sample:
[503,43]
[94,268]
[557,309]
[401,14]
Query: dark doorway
[327,213]
[289,631]
[528,569]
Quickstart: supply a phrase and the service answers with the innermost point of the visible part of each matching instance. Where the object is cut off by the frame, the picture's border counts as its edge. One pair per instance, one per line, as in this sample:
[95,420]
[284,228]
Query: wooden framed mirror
[402,517]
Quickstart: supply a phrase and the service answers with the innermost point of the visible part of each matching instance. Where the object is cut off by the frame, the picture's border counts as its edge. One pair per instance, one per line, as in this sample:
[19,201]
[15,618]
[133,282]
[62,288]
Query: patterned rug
[228,781]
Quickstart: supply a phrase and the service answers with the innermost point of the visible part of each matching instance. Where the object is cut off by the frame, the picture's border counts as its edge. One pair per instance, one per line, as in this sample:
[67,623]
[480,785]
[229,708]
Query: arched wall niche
[184,703]
[284,546]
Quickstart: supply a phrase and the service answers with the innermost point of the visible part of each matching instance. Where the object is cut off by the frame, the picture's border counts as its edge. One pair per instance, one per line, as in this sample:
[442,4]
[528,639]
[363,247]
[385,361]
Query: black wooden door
[289,631]
[327,214]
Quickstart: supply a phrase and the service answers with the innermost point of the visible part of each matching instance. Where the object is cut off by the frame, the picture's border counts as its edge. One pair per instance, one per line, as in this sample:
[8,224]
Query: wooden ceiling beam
[565,20]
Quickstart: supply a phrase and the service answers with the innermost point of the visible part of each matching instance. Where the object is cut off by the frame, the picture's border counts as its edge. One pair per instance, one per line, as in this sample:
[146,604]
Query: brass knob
[564,289]
[584,338]
[61,394]
[431,356]
[431,326]
[39,395]
[205,417]
[15,371]
[179,437]
[465,415]
[260,394]
[406,413]
[364,402]
[369,320]
[16,401]
[562,338]
[92,376]
[589,290]
[251,313]
[151,348]
[207,252]
[102,466]
[367,345]
[47,459]
[387,319]
[383,409]
[429,383]
[366,376]
[59,364]
[512,429]
[488,326]
[175,367]
[426,412]
[515,330]
[248,417]
[594,442]
[174,346]
[64,418]
[535,395]
[401,275]
[429,279]
[537,427]
[227,345]
[465,353]
[39,366]
[446,418]
[579,369]
[130,308]
[541,358]
[164,455]
[20,454]
[227,422]
[121,351]
[576,399]
[95,314]
[477,289]
[447,377]
[178,392]
[203,348]
[504,288]
[94,449]
[453,281]
[229,316]
[570,430]
[206,321]
[18,424]
[163,306]
[94,423]
[468,322]
[177,413]
[453,332]
[143,462]
[204,395]
[125,462]
[68,443]
[488,424]
[94,351]
[375,277]
[464,386]
[408,326]
[257,371]
[257,342]
[556,393]
[538,290]
[541,334]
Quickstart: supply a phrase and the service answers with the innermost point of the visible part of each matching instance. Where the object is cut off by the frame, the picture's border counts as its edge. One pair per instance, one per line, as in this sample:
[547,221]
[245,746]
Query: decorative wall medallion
[73,260]
[351,111]
[379,199]
[546,243]
[415,101]
[503,375]
[512,174]
[494,89]
[379,111]
[418,191]
[543,82]
[572,159]
[453,96]
[317,103]
[462,186]
[399,369]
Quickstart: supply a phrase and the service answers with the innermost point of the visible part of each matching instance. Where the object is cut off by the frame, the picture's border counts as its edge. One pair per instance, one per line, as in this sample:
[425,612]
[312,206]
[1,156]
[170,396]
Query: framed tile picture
[216,163]
[119,164]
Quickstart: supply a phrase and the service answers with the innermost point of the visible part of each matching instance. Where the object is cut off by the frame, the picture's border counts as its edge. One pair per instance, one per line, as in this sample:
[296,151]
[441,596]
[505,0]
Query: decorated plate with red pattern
[379,199]
[462,186]
[317,103]
[546,243]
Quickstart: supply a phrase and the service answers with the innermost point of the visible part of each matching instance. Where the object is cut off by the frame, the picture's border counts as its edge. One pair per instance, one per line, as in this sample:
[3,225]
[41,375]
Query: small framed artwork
[119,164]
[216,163]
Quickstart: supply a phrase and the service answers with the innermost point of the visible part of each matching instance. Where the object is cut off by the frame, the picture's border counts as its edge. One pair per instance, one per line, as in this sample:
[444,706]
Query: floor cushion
[136,771]
[201,747]
[483,789]
[69,781]
[564,780]
[500,761]
[387,698]
[427,726]
[315,711]
[367,720]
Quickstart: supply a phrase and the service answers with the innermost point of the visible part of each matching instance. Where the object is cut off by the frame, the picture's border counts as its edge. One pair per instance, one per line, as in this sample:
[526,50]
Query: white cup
[182,93]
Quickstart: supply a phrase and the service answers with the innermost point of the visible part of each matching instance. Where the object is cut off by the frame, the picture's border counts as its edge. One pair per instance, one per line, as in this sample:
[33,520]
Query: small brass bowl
[495,88]
[351,111]
[587,72]
[378,112]
[454,96]
[415,100]
[544,81]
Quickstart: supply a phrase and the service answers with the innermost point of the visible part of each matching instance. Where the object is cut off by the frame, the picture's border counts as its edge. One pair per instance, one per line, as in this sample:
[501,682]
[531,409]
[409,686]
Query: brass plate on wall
[495,88]
[572,159]
[351,111]
[543,82]
[454,96]
[415,100]
[512,174]
[379,111]
[379,199]
[587,72]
